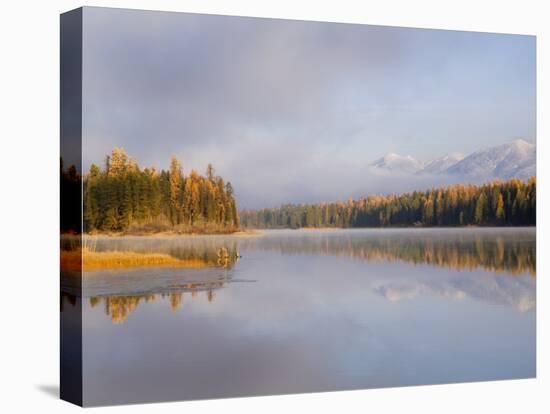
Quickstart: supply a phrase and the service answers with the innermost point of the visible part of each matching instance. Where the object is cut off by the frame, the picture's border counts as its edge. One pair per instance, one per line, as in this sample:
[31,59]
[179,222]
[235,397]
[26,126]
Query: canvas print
[264,206]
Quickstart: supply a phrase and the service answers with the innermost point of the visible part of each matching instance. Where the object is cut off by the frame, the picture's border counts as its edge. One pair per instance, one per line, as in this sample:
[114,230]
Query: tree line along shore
[496,203]
[122,198]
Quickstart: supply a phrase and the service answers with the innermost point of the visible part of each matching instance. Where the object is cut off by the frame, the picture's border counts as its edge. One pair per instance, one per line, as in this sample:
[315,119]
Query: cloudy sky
[293,111]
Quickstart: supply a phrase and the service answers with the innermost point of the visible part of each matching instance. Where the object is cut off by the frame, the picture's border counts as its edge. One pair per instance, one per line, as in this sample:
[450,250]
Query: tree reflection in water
[120,307]
[502,251]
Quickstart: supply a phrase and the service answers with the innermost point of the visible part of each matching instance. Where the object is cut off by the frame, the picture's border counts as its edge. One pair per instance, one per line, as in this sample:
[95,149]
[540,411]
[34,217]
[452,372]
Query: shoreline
[249,232]
[261,231]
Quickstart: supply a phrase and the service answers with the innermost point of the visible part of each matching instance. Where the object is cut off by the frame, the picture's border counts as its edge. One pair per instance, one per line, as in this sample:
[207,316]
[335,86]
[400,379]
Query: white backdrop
[29,160]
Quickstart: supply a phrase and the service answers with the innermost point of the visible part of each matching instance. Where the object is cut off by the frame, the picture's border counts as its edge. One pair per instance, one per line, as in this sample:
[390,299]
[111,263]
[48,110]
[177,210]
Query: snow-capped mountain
[397,163]
[516,159]
[441,164]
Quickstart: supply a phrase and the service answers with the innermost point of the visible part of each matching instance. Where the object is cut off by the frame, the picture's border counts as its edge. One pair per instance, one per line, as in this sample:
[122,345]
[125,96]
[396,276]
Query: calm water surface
[305,311]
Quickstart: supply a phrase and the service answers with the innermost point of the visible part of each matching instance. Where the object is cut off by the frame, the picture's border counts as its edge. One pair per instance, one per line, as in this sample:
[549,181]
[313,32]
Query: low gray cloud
[293,110]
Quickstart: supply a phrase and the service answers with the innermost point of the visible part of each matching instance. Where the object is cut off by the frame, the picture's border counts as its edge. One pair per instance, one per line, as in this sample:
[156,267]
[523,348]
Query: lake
[309,311]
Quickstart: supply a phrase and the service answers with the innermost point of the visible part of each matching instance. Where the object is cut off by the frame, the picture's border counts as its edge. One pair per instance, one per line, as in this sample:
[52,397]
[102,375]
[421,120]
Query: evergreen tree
[480,208]
[122,196]
[499,213]
[495,203]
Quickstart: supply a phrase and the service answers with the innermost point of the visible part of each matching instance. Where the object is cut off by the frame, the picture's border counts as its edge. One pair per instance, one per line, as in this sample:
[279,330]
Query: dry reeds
[94,260]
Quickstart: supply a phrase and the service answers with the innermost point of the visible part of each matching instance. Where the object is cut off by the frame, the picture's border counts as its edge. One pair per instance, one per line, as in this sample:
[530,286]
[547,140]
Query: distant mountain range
[515,159]
[397,163]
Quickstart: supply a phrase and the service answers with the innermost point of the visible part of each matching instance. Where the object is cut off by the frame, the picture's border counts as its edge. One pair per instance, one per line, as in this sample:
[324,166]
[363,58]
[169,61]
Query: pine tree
[175,186]
[499,214]
[480,208]
[494,203]
[428,212]
[122,195]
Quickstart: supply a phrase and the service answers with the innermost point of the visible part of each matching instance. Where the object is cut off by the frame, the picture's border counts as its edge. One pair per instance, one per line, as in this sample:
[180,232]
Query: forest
[497,203]
[122,197]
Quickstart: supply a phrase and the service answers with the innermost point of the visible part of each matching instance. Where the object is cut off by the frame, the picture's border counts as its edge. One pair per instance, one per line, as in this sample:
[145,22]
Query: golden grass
[92,260]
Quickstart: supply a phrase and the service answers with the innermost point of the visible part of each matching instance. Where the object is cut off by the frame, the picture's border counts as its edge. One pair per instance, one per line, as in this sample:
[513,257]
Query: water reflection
[517,292]
[496,250]
[327,311]
[212,250]
[101,252]
[122,290]
[118,308]
[509,250]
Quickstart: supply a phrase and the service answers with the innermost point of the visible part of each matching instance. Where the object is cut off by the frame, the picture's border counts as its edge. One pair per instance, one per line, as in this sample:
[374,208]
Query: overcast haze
[293,111]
